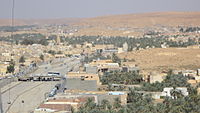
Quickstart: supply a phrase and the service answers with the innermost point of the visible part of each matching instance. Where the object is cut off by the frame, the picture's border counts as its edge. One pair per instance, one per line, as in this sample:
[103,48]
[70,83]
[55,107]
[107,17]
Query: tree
[128,78]
[89,105]
[176,93]
[116,59]
[105,104]
[42,57]
[117,103]
[52,52]
[11,67]
[22,59]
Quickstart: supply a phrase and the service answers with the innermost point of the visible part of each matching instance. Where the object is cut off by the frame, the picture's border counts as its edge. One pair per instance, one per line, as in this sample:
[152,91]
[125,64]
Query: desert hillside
[131,25]
[21,22]
[164,59]
[146,19]
[137,24]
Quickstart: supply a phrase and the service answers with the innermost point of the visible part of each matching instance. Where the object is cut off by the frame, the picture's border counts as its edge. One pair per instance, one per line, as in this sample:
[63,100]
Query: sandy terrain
[163,59]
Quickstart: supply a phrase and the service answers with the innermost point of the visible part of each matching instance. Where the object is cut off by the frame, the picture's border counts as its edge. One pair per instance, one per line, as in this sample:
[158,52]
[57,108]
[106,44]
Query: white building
[125,47]
[167,91]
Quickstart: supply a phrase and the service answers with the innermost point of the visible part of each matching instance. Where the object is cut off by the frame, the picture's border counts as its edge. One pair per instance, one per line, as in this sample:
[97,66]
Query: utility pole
[1,107]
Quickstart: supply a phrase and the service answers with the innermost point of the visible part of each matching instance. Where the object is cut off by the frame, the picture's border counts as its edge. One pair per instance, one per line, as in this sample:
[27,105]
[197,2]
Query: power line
[12,25]
[12,36]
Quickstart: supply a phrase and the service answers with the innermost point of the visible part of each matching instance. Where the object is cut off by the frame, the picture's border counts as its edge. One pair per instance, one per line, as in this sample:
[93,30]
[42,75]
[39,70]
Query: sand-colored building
[83,76]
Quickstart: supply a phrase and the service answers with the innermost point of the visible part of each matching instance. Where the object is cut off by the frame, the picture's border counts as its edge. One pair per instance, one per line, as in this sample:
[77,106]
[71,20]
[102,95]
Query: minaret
[58,35]
[58,39]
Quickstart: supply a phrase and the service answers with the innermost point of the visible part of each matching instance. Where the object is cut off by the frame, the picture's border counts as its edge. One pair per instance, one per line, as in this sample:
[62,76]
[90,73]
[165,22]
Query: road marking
[22,94]
[10,88]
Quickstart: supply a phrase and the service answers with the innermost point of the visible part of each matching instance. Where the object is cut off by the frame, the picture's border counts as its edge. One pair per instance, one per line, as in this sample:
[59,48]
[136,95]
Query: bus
[53,74]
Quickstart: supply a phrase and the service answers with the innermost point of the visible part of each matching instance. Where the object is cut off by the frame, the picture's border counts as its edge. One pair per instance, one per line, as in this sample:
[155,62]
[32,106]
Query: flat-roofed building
[83,76]
[54,108]
[102,95]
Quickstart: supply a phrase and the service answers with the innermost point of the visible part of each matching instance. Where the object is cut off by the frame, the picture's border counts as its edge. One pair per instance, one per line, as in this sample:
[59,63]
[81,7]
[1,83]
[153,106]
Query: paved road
[32,93]
[26,96]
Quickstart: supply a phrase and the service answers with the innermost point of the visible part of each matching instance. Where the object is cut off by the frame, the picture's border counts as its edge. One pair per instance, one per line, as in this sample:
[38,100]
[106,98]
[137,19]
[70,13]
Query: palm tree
[105,104]
[89,105]
[176,93]
[117,103]
[11,67]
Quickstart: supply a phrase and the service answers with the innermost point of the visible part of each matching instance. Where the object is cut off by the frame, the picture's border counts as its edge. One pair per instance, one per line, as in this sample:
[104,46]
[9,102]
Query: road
[26,96]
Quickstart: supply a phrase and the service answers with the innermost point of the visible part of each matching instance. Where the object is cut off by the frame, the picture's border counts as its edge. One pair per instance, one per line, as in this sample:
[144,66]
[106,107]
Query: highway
[26,96]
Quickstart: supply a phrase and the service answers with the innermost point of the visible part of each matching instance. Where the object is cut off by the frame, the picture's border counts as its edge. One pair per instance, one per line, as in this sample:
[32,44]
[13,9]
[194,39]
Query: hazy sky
[91,8]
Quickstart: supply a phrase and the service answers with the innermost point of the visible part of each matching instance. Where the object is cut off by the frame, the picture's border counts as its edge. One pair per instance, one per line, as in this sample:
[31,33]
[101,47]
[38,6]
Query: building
[91,69]
[3,70]
[156,77]
[83,76]
[63,103]
[125,47]
[198,72]
[102,95]
[58,40]
[167,91]
[105,65]
[54,108]
[59,56]
[120,50]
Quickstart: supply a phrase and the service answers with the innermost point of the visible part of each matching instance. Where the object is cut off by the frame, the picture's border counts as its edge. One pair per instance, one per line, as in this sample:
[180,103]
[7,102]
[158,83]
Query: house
[3,70]
[91,69]
[167,91]
[153,77]
[63,103]
[109,67]
[105,65]
[60,56]
[192,82]
[189,73]
[125,47]
[54,108]
[83,76]
[157,77]
[102,95]
[154,95]
[120,50]
[198,72]
[185,72]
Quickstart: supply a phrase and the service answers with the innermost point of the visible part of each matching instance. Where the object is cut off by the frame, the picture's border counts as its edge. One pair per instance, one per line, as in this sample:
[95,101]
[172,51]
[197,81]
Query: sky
[43,9]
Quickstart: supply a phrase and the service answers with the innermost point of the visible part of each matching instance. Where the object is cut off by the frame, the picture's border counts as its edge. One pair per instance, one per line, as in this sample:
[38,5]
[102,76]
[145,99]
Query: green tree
[11,67]
[52,52]
[116,59]
[105,104]
[117,103]
[176,93]
[42,57]
[22,59]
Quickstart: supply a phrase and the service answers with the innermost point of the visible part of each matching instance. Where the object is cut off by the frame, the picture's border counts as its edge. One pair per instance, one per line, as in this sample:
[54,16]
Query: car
[58,86]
